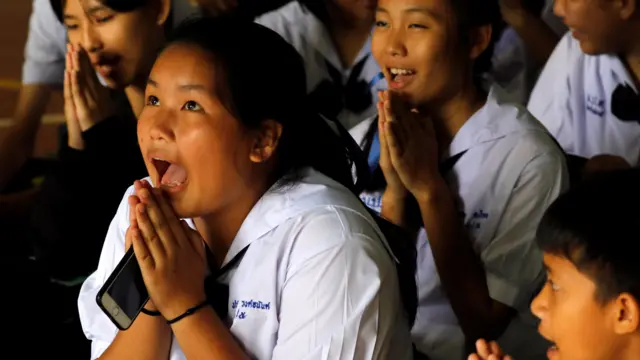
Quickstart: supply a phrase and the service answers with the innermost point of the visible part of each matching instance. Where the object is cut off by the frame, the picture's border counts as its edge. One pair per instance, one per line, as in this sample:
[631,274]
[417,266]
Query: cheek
[378,45]
[579,329]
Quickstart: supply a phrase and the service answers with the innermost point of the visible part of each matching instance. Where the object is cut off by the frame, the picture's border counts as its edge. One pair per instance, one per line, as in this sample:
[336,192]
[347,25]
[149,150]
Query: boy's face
[580,327]
[596,24]
[120,44]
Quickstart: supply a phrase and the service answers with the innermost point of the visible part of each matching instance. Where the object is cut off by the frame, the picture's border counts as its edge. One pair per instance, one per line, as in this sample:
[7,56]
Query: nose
[539,305]
[395,44]
[559,8]
[90,40]
[158,124]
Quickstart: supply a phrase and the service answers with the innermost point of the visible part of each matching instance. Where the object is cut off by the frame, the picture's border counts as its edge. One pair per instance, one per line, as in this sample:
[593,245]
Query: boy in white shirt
[587,95]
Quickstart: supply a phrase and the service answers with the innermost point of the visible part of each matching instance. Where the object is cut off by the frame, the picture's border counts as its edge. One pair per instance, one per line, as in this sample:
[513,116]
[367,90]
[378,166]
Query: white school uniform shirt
[511,172]
[46,46]
[512,66]
[309,36]
[573,100]
[318,267]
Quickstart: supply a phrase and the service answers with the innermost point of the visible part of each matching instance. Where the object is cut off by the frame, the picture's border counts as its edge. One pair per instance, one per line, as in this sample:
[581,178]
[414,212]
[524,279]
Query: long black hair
[264,78]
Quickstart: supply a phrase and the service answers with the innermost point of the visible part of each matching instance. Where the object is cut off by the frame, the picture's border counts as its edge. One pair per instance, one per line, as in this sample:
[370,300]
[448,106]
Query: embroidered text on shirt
[595,105]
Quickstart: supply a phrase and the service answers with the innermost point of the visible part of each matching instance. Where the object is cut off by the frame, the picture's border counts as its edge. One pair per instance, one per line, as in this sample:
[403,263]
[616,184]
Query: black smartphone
[124,294]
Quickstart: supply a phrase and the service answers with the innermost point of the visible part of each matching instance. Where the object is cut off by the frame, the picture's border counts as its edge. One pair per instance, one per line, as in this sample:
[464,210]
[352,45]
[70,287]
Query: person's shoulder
[285,19]
[359,131]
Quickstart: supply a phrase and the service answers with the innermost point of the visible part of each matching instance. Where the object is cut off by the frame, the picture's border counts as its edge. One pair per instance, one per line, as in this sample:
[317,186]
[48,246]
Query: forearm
[538,37]
[394,208]
[461,272]
[204,336]
[149,337]
[16,146]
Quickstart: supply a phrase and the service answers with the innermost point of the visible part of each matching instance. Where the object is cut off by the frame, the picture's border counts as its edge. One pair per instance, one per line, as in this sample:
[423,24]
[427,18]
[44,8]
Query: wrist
[431,191]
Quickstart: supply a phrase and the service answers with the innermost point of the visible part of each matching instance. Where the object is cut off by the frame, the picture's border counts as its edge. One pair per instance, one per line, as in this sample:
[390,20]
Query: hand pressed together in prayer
[171,254]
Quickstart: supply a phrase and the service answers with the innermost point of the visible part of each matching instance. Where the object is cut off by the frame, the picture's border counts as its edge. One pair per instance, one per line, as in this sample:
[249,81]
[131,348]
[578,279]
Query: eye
[381,23]
[554,286]
[71,27]
[191,106]
[104,19]
[153,101]
[417,26]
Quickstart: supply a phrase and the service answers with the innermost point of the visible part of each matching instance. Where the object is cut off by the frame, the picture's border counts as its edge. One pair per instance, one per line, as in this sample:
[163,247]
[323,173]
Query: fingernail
[144,193]
[141,209]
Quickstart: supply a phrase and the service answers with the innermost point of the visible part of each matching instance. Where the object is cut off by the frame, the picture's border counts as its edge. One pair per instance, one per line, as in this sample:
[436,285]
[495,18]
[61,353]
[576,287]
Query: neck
[349,34]
[632,61]
[450,115]
[135,94]
[632,349]
[135,91]
[220,228]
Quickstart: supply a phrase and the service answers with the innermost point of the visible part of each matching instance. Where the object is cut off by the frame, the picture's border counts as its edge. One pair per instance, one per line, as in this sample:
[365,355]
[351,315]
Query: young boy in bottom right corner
[589,309]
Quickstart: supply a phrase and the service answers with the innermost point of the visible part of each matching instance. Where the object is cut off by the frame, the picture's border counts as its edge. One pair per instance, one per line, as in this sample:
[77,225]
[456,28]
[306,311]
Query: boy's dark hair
[596,226]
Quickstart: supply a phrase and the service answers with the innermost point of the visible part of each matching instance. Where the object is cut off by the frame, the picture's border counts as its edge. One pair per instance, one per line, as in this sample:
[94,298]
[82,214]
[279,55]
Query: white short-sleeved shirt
[46,45]
[309,36]
[317,265]
[511,171]
[573,100]
[512,66]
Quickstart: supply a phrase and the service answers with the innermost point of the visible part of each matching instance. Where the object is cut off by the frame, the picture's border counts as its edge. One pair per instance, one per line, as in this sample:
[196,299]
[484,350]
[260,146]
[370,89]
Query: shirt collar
[496,119]
[281,204]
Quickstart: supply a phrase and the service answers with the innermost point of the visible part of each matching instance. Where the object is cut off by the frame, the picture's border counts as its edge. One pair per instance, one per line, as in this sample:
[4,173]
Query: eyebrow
[185,87]
[92,10]
[414,9]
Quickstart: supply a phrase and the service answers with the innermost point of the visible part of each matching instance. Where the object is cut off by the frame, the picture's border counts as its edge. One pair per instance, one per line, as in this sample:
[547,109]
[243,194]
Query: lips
[172,177]
[400,77]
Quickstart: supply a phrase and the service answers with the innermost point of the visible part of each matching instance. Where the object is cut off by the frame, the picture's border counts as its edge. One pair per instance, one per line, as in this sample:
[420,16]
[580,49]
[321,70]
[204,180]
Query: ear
[627,312]
[480,39]
[266,141]
[164,11]
[626,8]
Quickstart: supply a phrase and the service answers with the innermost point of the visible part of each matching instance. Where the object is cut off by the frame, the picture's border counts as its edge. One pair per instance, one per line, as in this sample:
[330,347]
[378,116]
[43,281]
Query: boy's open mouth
[171,175]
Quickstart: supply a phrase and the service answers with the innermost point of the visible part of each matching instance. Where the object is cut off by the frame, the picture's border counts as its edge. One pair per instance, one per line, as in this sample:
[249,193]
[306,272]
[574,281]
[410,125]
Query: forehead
[185,62]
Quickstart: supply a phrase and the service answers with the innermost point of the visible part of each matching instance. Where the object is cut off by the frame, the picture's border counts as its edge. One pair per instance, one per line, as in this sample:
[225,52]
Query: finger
[141,250]
[159,222]
[474,357]
[394,144]
[89,78]
[495,349]
[483,349]
[170,217]
[394,114]
[133,202]
[194,239]
[139,185]
[77,93]
[149,234]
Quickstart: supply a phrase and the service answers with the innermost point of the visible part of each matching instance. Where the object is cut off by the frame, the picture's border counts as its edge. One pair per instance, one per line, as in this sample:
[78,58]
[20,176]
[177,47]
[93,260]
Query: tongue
[175,175]
[402,78]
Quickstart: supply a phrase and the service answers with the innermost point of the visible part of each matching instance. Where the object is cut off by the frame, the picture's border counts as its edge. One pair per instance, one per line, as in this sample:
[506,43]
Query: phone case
[127,256]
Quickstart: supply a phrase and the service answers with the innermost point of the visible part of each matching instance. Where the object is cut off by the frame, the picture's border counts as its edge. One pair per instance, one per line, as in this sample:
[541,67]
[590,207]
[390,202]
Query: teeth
[554,347]
[398,71]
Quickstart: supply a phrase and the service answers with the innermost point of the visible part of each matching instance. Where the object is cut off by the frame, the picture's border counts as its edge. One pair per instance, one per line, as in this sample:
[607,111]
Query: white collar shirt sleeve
[45,48]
